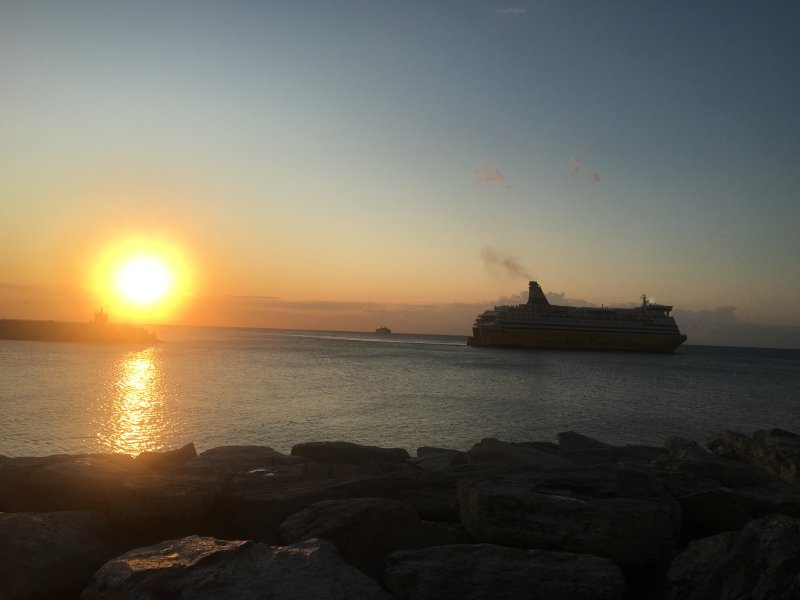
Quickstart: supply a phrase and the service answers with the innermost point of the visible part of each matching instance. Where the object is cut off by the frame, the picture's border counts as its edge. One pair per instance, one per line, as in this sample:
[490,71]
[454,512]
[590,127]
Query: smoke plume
[508,265]
[575,166]
[492,176]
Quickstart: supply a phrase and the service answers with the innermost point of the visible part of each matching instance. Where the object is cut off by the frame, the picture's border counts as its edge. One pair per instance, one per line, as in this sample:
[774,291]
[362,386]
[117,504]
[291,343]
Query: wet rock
[367,530]
[759,562]
[204,568]
[527,454]
[155,460]
[774,450]
[478,571]
[348,453]
[50,555]
[620,513]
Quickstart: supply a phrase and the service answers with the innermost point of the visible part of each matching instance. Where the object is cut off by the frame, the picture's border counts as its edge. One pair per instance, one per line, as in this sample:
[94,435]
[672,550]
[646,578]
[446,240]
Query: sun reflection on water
[136,417]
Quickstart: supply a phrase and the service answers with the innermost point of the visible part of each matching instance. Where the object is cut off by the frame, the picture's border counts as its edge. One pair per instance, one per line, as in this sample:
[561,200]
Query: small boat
[384,330]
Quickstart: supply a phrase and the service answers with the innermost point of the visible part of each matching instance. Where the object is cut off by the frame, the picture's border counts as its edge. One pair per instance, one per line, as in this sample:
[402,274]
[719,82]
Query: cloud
[721,327]
[576,167]
[512,10]
[508,265]
[490,176]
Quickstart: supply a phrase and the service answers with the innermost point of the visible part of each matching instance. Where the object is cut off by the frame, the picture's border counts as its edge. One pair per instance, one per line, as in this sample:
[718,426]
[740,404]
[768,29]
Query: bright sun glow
[144,280]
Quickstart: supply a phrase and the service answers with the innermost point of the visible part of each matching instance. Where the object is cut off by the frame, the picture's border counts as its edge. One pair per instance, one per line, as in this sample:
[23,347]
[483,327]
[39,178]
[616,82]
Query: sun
[144,280]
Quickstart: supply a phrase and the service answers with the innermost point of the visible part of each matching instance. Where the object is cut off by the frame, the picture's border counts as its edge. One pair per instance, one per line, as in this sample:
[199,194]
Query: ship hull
[577,340]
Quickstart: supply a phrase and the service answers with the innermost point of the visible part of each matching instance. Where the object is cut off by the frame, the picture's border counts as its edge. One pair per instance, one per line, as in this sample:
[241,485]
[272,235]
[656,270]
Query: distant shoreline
[62,331]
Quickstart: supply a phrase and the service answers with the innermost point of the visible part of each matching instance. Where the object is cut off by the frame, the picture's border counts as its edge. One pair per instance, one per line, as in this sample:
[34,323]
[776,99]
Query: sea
[278,388]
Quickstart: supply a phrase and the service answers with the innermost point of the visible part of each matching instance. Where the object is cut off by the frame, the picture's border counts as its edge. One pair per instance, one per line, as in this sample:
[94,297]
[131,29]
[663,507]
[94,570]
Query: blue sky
[370,152]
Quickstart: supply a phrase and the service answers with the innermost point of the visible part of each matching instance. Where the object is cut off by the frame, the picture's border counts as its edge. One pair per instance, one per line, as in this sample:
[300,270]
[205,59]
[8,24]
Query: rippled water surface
[279,388]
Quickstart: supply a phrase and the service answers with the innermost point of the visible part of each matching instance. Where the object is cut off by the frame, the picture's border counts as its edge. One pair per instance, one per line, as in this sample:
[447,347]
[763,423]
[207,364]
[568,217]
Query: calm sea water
[278,388]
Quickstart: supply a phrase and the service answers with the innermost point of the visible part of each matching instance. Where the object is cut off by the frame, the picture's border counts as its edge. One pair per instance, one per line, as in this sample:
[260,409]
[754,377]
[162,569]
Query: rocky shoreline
[577,519]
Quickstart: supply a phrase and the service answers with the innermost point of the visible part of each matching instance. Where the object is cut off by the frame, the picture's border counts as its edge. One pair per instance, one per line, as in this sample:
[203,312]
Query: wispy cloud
[508,265]
[576,167]
[491,175]
[512,10]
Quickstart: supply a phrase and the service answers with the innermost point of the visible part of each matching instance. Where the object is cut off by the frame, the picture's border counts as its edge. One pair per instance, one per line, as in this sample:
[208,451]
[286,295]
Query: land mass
[60,331]
[576,520]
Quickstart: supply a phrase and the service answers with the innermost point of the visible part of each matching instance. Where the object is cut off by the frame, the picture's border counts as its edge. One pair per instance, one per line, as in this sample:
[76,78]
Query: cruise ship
[539,324]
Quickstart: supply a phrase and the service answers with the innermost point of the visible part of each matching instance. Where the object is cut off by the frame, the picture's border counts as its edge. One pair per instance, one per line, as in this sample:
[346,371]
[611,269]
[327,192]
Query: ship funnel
[536,296]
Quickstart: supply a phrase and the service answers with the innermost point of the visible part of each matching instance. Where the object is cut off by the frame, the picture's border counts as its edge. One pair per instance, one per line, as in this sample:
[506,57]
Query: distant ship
[538,324]
[383,329]
[99,331]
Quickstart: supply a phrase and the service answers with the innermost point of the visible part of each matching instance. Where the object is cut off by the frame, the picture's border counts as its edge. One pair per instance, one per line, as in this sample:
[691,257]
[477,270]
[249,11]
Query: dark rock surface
[637,506]
[348,453]
[759,562]
[169,457]
[492,450]
[774,450]
[619,513]
[479,571]
[367,530]
[51,555]
[204,568]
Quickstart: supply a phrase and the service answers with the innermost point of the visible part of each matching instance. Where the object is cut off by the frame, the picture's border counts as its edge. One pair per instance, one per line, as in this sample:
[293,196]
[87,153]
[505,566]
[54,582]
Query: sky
[349,164]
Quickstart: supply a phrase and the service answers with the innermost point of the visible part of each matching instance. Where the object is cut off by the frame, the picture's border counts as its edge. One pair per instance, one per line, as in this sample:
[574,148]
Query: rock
[50,555]
[583,450]
[437,459]
[492,450]
[155,460]
[244,459]
[774,450]
[252,506]
[620,513]
[348,453]
[707,470]
[64,482]
[367,530]
[478,571]
[165,503]
[720,509]
[759,562]
[204,568]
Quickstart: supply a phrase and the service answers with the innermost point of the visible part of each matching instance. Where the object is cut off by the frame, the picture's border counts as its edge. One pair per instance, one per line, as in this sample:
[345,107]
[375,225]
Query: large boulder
[759,562]
[518,453]
[64,482]
[438,459]
[348,453]
[706,470]
[204,568]
[247,459]
[478,571]
[253,505]
[711,511]
[584,450]
[774,450]
[154,460]
[367,530]
[620,513]
[50,555]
